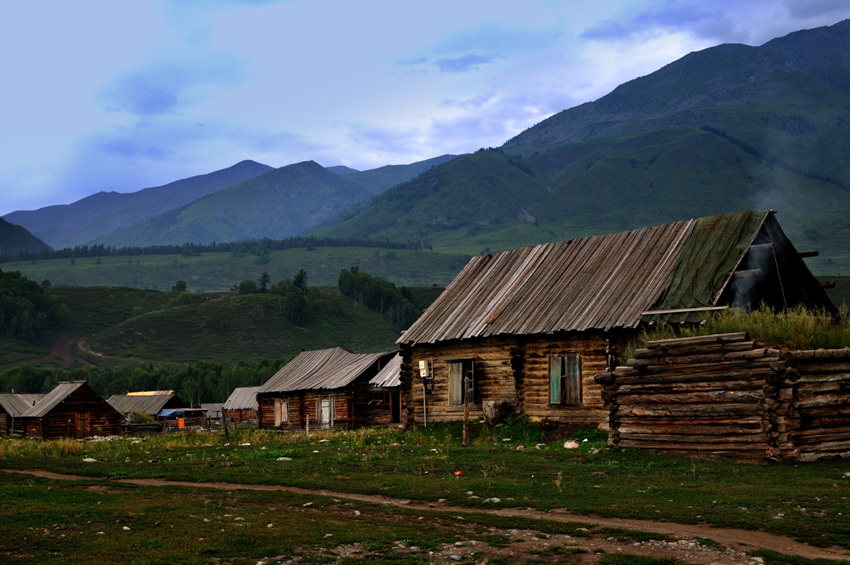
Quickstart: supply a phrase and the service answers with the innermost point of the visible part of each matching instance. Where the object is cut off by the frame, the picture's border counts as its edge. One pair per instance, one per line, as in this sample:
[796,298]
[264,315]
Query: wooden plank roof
[598,283]
[15,404]
[323,369]
[143,403]
[389,376]
[243,398]
[52,399]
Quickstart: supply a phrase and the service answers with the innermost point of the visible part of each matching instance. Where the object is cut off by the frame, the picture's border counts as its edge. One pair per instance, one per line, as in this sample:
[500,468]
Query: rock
[493,500]
[570,444]
[284,458]
[126,528]
[89,460]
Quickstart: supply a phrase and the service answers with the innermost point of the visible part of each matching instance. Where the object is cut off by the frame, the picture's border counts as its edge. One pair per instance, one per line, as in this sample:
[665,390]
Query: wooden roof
[592,283]
[244,398]
[144,403]
[389,376]
[323,369]
[15,404]
[52,399]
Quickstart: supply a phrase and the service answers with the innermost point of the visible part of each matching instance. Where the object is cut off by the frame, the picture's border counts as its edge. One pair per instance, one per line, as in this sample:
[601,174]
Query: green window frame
[565,379]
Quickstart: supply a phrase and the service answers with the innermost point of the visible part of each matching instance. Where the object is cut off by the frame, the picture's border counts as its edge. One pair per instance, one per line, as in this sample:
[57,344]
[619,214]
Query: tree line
[396,305]
[258,247]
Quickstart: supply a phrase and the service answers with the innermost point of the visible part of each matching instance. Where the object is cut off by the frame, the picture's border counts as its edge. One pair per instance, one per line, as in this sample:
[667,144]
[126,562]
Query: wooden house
[241,405]
[12,406]
[526,330]
[327,388]
[150,403]
[385,406]
[72,409]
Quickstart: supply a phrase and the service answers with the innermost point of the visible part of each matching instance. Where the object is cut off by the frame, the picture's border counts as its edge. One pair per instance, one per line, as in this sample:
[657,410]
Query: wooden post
[226,433]
[466,412]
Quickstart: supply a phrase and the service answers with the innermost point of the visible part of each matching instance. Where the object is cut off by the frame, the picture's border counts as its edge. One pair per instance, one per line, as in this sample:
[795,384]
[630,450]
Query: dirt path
[63,349]
[739,541]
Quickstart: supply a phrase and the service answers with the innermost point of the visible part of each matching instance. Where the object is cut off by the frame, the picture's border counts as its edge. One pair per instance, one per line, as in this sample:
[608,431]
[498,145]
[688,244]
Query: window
[281,412]
[461,382]
[565,379]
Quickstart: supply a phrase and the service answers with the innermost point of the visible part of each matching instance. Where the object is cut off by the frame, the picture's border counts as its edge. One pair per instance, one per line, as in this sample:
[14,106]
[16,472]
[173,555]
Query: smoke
[745,282]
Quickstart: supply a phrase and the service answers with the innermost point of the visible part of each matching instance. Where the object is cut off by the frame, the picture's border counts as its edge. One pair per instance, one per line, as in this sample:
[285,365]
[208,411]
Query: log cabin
[525,331]
[385,406]
[241,405]
[72,409]
[150,403]
[12,406]
[328,388]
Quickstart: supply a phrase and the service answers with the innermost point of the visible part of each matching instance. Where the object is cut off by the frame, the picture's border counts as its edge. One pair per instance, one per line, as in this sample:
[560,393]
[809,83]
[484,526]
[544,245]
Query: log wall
[726,394]
[82,414]
[509,369]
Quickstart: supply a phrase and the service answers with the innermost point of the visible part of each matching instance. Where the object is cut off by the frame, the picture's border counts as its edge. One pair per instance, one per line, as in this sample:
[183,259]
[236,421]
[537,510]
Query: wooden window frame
[458,371]
[565,386]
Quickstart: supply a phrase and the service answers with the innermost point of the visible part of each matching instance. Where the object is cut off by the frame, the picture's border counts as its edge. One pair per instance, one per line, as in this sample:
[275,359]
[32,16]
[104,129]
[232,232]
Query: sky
[99,95]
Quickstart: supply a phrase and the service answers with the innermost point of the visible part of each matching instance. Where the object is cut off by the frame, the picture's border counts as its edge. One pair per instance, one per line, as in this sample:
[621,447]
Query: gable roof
[244,398]
[52,399]
[599,283]
[15,404]
[144,403]
[390,375]
[322,369]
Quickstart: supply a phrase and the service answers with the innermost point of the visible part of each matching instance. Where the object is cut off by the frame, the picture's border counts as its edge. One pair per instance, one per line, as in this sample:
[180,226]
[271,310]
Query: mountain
[16,239]
[81,222]
[788,99]
[278,204]
[379,180]
[729,128]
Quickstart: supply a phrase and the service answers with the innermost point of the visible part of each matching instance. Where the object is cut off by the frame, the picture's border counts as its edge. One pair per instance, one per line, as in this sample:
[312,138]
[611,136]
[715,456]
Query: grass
[805,501]
[797,328]
[208,272]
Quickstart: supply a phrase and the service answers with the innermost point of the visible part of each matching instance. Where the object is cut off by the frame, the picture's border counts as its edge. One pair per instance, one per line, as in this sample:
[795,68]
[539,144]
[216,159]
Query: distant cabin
[150,403]
[328,388]
[241,405]
[12,406]
[72,409]
[525,331]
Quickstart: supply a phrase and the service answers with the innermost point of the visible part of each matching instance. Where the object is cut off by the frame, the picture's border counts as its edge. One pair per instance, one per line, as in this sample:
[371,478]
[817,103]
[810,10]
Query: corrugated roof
[244,398]
[146,404]
[323,369]
[592,283]
[599,282]
[389,376]
[52,399]
[15,404]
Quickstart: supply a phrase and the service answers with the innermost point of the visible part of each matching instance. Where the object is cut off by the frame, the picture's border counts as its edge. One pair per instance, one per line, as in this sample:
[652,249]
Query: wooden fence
[726,394]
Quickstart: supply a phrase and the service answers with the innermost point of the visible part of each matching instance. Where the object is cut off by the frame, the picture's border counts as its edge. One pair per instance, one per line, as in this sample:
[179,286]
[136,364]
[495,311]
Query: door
[324,412]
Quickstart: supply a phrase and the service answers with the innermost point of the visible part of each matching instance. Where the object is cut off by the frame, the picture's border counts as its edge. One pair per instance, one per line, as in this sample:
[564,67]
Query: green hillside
[383,178]
[16,239]
[249,328]
[490,201]
[789,99]
[220,271]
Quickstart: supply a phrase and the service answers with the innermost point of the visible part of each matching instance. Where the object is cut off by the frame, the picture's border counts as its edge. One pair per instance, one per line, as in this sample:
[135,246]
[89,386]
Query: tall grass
[795,328]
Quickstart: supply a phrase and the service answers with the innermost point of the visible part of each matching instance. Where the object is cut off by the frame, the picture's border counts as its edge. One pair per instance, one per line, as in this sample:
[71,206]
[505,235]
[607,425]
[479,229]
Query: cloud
[164,88]
[464,63]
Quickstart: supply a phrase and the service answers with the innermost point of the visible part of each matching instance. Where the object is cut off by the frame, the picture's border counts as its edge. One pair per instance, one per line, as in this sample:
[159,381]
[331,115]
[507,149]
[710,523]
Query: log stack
[726,394]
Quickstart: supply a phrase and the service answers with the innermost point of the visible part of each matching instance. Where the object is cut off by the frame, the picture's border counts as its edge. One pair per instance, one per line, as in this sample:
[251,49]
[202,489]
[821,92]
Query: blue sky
[123,95]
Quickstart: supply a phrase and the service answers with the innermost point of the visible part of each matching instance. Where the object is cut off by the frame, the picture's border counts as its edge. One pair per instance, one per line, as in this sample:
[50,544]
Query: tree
[265,280]
[179,286]
[300,281]
[248,286]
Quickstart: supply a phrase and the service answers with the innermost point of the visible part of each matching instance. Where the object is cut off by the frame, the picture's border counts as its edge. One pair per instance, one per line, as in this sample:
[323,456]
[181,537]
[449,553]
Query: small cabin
[326,388]
[241,405]
[73,410]
[12,406]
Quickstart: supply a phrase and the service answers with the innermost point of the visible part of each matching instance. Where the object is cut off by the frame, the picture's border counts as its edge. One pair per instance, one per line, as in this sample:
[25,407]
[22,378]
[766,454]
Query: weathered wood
[703,339]
[810,354]
[719,397]
[673,354]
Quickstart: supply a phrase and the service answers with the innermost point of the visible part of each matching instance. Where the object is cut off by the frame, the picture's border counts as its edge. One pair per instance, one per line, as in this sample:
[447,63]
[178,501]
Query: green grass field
[220,271]
[57,521]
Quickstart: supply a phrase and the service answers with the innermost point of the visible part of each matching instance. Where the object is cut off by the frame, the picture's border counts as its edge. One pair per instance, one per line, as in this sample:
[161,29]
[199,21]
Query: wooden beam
[682,310]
